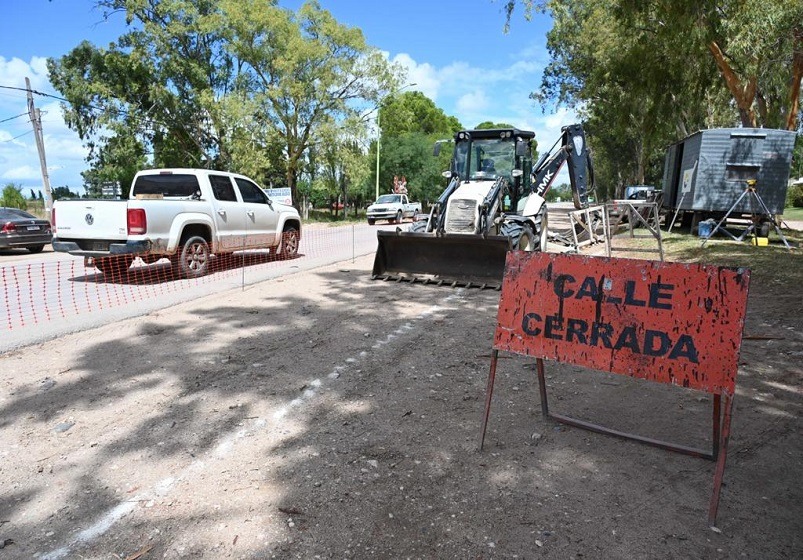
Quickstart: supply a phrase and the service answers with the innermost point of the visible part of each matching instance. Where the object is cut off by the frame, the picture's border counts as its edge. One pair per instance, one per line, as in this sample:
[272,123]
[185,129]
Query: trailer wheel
[763,229]
[193,260]
[521,236]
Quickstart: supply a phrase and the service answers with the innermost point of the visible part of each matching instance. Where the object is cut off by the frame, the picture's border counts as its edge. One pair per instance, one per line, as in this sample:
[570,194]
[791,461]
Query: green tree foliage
[12,197]
[412,111]
[33,195]
[230,84]
[644,74]
[411,123]
[63,192]
[489,125]
[339,168]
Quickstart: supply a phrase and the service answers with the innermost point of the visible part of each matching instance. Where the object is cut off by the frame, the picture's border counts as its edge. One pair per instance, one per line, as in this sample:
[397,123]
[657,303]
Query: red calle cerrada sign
[672,323]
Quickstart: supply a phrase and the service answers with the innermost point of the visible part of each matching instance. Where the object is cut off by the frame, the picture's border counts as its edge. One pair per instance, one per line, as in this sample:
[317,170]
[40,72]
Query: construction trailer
[707,172]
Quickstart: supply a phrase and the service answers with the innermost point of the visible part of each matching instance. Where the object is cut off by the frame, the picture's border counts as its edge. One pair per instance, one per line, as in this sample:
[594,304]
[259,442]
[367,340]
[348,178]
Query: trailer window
[741,172]
[174,185]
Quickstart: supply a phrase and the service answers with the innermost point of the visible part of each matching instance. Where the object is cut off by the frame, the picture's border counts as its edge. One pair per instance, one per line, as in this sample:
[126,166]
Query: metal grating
[461,216]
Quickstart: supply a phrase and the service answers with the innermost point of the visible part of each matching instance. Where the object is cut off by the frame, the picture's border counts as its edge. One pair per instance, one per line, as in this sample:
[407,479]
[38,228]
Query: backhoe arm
[574,150]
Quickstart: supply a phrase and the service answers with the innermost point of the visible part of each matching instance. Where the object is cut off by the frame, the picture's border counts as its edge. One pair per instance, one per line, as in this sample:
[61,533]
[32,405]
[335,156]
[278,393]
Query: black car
[19,229]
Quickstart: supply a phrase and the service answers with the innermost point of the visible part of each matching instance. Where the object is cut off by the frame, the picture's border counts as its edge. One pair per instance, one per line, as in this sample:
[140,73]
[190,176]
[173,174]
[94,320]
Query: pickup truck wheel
[399,217]
[289,245]
[114,267]
[371,221]
[193,261]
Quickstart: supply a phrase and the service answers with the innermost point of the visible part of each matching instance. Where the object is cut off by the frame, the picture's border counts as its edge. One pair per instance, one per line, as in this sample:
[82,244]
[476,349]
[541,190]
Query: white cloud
[473,102]
[19,157]
[424,76]
[499,94]
[14,71]
[22,173]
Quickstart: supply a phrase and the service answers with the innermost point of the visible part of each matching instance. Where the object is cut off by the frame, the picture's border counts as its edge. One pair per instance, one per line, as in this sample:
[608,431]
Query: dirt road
[323,415]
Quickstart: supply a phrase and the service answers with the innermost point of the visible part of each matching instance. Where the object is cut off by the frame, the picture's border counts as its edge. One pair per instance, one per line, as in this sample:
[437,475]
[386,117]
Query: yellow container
[760,241]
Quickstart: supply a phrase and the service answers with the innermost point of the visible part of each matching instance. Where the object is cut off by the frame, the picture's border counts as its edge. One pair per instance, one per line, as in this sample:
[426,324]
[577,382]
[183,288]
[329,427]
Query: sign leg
[720,469]
[489,389]
[716,422]
[539,364]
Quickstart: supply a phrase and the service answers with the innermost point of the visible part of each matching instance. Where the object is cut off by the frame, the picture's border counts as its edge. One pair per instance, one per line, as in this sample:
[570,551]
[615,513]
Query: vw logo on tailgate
[90,219]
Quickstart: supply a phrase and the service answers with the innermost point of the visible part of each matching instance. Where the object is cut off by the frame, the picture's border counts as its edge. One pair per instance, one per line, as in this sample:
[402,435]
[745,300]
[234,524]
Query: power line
[17,136]
[43,94]
[14,117]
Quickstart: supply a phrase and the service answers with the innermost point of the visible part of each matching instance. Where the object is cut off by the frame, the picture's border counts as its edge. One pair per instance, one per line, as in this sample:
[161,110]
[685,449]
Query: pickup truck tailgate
[91,219]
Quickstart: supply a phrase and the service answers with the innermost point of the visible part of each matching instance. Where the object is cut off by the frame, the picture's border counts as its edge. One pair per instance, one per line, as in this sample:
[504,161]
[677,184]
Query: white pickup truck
[393,208]
[185,215]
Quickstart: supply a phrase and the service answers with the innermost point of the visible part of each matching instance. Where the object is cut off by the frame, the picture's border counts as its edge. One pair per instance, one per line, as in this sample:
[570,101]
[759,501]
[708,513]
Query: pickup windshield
[388,199]
[166,185]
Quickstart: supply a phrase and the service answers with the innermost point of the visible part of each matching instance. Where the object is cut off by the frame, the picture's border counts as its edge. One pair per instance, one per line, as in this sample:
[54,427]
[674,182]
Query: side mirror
[437,150]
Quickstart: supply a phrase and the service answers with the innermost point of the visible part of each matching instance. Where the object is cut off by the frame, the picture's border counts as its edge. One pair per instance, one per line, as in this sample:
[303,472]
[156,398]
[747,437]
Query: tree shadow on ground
[341,417]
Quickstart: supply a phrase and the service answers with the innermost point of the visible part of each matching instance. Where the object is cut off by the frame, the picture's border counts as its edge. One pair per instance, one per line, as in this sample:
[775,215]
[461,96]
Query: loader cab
[481,155]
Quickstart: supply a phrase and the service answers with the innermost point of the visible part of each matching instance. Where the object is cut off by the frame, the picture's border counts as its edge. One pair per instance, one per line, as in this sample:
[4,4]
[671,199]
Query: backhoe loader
[494,202]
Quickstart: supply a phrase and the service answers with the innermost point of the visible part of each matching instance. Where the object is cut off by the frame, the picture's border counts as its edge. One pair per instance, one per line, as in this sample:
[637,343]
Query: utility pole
[36,120]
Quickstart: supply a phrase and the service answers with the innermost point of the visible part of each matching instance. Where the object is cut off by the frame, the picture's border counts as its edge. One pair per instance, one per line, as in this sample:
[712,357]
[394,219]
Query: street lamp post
[378,141]
[379,131]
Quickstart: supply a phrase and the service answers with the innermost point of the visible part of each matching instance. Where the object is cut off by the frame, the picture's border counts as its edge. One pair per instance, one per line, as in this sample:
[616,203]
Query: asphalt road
[49,294]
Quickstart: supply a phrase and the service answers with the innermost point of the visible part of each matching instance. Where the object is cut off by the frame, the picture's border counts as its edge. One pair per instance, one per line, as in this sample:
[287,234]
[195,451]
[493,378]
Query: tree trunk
[743,94]
[794,87]
[292,182]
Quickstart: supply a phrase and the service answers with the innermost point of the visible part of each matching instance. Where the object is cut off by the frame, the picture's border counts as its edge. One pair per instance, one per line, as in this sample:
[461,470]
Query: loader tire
[418,227]
[541,229]
[521,236]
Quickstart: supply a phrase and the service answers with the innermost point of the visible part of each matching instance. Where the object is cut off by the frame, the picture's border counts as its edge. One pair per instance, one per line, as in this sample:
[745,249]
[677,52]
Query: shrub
[794,196]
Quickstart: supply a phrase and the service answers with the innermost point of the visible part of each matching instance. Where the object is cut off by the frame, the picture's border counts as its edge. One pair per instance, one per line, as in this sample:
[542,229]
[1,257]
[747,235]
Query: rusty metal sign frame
[544,269]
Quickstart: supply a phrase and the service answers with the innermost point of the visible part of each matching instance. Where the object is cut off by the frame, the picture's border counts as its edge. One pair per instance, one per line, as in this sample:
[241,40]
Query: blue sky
[454,50]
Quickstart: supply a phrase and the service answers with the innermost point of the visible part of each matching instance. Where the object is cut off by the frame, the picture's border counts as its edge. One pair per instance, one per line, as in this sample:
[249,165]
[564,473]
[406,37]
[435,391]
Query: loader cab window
[520,186]
[460,158]
[491,158]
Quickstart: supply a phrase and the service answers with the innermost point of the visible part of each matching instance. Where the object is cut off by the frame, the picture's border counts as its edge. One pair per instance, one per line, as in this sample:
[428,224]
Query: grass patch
[794,214]
[774,266]
[328,217]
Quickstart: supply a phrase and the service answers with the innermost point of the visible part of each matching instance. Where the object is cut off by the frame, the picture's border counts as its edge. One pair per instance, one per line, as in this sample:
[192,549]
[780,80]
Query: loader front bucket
[464,260]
